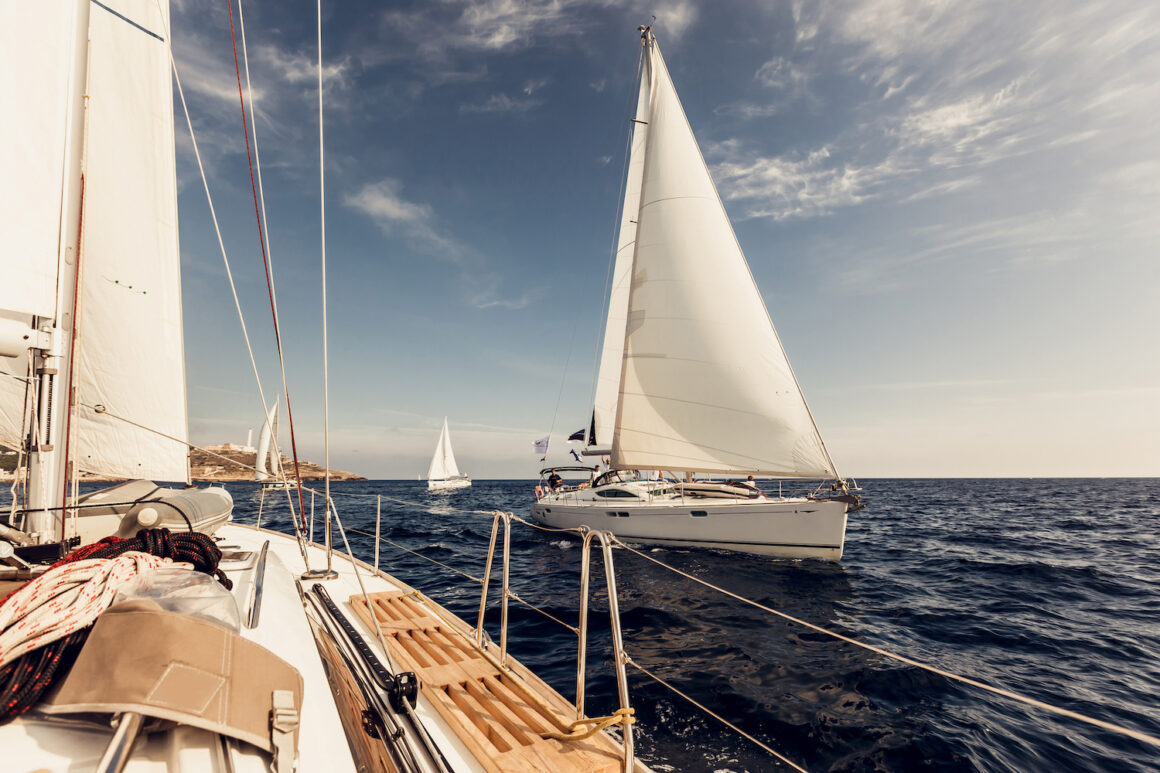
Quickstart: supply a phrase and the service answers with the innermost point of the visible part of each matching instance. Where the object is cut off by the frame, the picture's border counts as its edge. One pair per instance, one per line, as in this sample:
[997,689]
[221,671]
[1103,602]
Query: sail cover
[443,462]
[131,358]
[612,353]
[706,385]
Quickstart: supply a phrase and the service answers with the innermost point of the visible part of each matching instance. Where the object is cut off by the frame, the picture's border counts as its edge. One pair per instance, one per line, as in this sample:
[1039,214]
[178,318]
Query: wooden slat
[486,708]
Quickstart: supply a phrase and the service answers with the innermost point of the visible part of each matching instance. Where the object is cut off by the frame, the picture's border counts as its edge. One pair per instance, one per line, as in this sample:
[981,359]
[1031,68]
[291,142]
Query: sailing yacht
[443,474]
[693,379]
[276,653]
[273,478]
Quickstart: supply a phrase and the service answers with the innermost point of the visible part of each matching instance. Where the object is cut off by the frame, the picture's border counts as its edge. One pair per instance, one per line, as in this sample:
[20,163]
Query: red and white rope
[66,599]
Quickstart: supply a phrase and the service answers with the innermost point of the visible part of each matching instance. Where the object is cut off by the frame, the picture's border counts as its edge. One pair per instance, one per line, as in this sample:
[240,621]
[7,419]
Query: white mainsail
[129,338]
[443,462]
[706,385]
[612,353]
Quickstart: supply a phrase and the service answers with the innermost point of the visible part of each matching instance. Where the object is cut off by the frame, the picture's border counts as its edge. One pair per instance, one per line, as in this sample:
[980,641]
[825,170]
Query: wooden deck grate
[485,706]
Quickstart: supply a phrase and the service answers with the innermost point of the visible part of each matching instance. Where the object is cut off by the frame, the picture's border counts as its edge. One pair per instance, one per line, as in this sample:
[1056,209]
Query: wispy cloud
[383,202]
[501,103]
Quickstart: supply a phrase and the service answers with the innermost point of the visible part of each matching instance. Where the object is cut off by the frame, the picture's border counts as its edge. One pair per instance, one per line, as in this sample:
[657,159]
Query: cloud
[782,188]
[501,103]
[674,18]
[534,85]
[383,202]
[600,85]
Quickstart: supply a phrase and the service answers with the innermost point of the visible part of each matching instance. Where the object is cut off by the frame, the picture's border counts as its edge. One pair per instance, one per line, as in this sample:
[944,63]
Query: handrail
[620,657]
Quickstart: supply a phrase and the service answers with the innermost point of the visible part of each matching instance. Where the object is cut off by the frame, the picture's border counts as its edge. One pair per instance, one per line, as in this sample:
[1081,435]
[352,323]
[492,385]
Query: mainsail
[443,462]
[705,384]
[130,359]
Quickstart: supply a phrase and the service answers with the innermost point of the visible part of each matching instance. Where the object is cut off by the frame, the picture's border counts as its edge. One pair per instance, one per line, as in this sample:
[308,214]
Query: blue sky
[951,210]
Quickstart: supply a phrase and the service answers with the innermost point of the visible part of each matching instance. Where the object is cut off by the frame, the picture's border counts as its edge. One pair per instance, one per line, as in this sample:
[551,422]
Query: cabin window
[615,492]
[698,513]
[622,514]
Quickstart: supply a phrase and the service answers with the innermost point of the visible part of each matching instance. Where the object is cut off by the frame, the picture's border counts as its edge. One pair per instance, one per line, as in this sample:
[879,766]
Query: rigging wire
[229,273]
[325,357]
[262,244]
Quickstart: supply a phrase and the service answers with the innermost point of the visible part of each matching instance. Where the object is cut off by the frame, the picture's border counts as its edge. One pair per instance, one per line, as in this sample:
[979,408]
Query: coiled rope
[44,624]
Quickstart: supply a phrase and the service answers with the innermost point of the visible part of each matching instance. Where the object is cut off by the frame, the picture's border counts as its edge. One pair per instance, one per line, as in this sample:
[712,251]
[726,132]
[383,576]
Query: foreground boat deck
[481,717]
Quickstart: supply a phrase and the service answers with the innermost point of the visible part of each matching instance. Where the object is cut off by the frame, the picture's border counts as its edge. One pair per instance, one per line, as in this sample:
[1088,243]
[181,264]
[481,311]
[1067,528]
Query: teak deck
[484,705]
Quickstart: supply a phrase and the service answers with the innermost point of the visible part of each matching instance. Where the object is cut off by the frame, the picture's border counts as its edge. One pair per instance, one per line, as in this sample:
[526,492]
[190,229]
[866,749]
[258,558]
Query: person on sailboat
[554,481]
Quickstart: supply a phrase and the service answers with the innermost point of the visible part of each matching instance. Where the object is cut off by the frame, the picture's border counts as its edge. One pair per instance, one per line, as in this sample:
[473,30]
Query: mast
[53,359]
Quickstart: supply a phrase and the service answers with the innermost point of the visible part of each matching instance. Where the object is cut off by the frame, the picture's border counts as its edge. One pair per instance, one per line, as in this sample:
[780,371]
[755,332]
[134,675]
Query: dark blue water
[1046,587]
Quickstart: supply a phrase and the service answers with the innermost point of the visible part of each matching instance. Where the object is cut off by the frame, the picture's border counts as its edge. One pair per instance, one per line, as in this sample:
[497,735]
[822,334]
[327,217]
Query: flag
[577,436]
[575,455]
[540,447]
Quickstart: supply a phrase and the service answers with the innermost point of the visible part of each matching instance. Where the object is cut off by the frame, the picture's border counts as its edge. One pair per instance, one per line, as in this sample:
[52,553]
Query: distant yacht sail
[443,474]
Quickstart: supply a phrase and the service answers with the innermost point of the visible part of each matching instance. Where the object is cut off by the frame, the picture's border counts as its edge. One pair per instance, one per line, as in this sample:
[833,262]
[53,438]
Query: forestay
[706,385]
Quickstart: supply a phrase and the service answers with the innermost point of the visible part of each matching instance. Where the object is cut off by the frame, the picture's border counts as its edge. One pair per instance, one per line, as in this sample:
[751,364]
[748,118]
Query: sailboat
[273,478]
[443,474]
[693,380]
[274,653]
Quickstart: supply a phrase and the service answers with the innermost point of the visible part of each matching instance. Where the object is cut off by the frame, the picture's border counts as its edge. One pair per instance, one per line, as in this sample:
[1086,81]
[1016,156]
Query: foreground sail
[443,474]
[693,378]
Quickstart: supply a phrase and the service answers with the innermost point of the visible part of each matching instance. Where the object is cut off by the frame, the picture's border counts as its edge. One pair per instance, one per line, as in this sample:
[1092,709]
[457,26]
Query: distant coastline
[226,462]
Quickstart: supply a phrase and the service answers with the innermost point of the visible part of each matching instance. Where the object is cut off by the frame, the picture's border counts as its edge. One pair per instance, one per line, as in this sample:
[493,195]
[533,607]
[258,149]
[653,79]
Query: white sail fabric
[706,385]
[130,347]
[269,425]
[612,354]
[36,54]
[443,462]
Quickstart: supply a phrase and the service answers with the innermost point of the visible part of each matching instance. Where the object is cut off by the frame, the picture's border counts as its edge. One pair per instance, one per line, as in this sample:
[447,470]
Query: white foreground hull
[448,484]
[786,528]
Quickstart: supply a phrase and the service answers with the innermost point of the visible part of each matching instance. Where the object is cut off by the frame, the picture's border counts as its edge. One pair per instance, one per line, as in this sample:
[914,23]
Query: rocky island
[231,462]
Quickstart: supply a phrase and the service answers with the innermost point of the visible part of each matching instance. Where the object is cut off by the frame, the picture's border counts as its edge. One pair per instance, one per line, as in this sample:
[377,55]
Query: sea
[1046,587]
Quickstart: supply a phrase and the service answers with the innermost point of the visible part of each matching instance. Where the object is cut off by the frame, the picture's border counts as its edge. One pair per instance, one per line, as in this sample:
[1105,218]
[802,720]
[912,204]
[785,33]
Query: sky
[952,210]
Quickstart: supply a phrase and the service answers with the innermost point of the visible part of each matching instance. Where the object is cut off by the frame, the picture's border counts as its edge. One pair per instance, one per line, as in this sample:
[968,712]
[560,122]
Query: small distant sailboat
[443,474]
[693,379]
[271,476]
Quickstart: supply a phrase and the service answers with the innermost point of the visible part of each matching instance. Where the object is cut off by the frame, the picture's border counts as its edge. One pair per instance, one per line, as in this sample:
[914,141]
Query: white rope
[66,599]
[1139,736]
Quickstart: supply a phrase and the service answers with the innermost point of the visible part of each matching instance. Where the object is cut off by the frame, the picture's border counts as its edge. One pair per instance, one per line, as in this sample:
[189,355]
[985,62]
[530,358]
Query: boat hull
[786,528]
[448,484]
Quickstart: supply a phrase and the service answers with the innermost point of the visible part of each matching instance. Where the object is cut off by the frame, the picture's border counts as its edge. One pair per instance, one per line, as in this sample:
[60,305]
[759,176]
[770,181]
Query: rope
[1139,736]
[64,600]
[713,714]
[619,717]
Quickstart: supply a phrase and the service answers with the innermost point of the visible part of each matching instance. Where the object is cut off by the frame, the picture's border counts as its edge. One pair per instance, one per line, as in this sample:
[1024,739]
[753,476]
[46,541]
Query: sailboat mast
[52,364]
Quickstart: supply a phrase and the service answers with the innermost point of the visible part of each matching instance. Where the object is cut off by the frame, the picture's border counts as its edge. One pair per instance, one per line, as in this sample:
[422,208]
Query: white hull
[786,528]
[448,484]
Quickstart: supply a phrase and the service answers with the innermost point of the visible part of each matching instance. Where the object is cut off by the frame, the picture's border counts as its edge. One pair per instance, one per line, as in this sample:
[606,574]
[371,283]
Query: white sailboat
[693,379]
[443,474]
[270,474]
[280,667]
